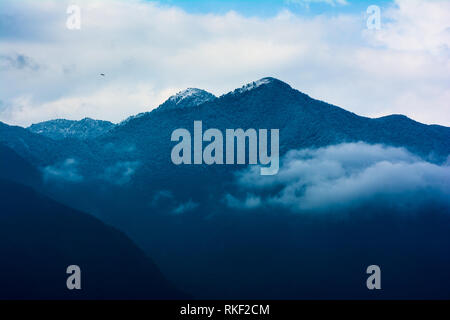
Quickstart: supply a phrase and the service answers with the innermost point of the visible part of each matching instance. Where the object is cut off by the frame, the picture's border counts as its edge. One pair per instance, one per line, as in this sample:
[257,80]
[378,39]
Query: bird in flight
[102,74]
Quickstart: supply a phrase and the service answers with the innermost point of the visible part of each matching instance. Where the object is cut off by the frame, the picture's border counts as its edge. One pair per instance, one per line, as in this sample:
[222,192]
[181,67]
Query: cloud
[344,177]
[149,51]
[121,172]
[18,61]
[66,170]
[250,202]
[165,201]
[162,197]
[185,207]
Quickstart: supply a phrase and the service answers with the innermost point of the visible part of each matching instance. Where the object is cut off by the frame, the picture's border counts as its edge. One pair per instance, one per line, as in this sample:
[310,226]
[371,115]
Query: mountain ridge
[267,103]
[180,96]
[58,129]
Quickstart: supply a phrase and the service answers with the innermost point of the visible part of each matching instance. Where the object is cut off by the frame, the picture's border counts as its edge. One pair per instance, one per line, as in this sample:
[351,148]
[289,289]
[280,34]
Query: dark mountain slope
[31,146]
[39,238]
[433,140]
[14,168]
[40,150]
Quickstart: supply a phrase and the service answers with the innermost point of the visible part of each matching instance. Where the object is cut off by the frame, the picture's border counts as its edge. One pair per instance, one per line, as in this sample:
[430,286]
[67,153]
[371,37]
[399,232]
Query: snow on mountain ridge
[62,128]
[197,94]
[254,85]
[268,81]
[190,97]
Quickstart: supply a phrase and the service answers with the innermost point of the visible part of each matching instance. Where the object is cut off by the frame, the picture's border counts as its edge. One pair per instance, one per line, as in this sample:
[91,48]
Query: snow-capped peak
[261,82]
[254,84]
[190,97]
[197,96]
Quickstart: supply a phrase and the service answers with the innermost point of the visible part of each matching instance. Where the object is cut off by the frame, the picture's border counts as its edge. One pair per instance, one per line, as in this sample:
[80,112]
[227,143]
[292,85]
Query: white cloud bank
[149,52]
[343,177]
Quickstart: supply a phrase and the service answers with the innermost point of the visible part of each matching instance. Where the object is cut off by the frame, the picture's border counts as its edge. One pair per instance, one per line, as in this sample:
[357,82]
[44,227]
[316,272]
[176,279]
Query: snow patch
[196,96]
[254,85]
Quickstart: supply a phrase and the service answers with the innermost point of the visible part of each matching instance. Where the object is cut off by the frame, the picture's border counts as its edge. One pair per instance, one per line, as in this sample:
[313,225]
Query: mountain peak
[191,97]
[191,93]
[263,82]
[87,119]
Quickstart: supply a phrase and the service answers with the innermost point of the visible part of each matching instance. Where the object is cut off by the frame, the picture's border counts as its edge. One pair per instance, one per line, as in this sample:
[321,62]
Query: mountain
[39,150]
[266,103]
[188,98]
[138,150]
[61,128]
[14,168]
[40,238]
[303,121]
[177,214]
[33,147]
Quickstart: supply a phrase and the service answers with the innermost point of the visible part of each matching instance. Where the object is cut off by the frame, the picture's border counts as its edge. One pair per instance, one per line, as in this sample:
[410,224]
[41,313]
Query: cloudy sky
[150,50]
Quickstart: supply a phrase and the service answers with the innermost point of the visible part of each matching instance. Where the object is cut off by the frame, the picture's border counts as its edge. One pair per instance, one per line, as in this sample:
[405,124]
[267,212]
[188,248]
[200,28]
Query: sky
[268,8]
[150,50]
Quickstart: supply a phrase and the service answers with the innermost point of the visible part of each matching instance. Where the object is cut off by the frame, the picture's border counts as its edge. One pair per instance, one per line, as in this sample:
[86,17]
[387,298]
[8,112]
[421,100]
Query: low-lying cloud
[344,177]
[185,207]
[66,170]
[166,201]
[121,172]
